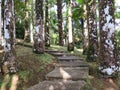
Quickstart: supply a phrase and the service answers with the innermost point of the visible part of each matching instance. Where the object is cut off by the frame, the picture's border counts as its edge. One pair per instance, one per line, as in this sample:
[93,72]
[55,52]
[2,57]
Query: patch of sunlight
[110,88]
[7,80]
[14,82]
[51,87]
[1,51]
[64,74]
[80,50]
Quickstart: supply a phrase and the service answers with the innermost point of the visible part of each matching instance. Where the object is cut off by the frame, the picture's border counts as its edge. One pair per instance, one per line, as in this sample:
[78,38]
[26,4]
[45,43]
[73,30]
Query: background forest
[86,28]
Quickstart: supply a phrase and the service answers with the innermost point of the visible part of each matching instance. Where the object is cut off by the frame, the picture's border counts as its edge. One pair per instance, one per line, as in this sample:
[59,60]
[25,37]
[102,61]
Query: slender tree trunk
[9,59]
[47,37]
[0,24]
[92,52]
[60,19]
[70,32]
[39,42]
[85,30]
[109,63]
[32,22]
[26,21]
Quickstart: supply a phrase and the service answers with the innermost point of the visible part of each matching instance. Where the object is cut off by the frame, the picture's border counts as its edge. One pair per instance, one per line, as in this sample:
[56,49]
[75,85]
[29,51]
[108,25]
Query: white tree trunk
[0,25]
[9,59]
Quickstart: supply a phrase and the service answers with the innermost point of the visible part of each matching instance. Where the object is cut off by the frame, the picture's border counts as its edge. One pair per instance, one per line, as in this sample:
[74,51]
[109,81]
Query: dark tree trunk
[92,52]
[39,41]
[109,63]
[47,37]
[70,32]
[9,59]
[60,19]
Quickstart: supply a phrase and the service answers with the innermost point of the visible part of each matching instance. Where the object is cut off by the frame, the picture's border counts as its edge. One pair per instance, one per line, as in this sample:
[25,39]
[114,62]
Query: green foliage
[77,12]
[80,1]
[20,30]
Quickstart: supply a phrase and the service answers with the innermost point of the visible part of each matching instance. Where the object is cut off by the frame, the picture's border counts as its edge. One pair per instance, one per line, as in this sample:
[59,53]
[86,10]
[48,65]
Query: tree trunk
[109,63]
[32,22]
[9,59]
[0,25]
[70,32]
[92,52]
[39,41]
[60,19]
[26,22]
[47,37]
[85,31]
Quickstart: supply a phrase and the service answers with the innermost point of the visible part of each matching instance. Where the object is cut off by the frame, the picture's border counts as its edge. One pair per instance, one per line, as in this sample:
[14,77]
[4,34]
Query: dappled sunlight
[14,82]
[1,51]
[64,74]
[51,87]
[110,88]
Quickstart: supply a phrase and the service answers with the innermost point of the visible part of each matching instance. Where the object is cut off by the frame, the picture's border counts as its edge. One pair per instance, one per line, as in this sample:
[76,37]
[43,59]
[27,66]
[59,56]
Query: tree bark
[26,21]
[9,59]
[92,52]
[39,41]
[47,37]
[0,24]
[70,32]
[32,22]
[109,63]
[85,30]
[60,20]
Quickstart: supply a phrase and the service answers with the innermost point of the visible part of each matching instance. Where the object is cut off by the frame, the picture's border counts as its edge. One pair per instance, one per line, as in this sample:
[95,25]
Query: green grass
[32,67]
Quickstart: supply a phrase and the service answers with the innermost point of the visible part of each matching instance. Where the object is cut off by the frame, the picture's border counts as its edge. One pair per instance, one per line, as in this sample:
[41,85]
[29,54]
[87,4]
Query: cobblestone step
[58,85]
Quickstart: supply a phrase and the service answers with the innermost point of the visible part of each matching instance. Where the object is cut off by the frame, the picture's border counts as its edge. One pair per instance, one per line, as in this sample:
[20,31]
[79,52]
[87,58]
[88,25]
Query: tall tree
[32,21]
[85,30]
[70,32]
[60,19]
[39,41]
[9,58]
[0,24]
[92,31]
[47,37]
[26,20]
[109,63]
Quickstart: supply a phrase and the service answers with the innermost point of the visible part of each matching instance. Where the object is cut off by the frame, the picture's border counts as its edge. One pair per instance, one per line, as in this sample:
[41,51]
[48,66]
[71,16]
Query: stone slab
[69,58]
[52,51]
[58,85]
[72,64]
[68,73]
[59,54]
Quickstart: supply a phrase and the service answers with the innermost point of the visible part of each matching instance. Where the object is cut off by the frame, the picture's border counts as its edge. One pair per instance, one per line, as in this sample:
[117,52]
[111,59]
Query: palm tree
[109,63]
[26,21]
[59,10]
[47,37]
[0,25]
[84,29]
[92,31]
[39,41]
[9,59]
[70,32]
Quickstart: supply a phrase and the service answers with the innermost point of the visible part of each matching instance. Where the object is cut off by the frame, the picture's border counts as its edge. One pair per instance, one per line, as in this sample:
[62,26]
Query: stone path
[69,74]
